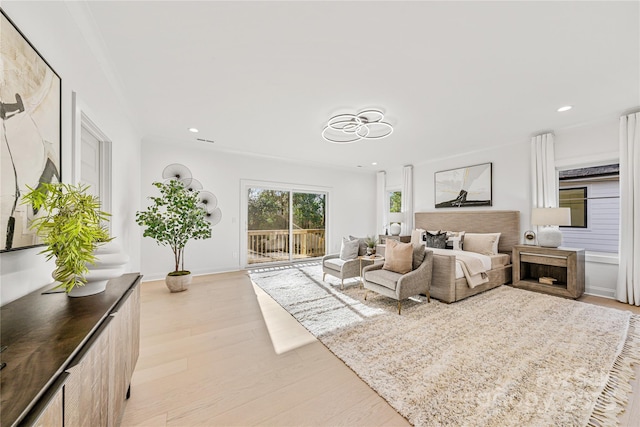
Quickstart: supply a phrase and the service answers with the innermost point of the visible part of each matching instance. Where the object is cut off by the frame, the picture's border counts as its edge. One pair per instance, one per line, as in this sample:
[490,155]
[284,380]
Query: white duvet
[485,259]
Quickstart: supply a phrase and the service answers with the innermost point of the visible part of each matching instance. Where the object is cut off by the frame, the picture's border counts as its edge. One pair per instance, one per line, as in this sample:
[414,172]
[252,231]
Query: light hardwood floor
[225,354]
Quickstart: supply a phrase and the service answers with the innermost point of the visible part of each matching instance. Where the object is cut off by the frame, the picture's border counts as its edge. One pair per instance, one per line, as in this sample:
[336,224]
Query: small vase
[371,251]
[178,283]
[109,264]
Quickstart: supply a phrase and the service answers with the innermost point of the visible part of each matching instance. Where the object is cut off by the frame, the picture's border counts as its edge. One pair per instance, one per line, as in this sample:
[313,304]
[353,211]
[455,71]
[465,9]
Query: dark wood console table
[54,342]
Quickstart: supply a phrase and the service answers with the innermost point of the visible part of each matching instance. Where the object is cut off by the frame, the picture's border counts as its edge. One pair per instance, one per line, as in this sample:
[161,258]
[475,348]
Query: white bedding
[486,260]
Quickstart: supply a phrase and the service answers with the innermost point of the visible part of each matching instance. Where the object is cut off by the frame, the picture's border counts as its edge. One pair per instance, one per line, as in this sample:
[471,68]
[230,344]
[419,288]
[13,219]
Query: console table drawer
[555,260]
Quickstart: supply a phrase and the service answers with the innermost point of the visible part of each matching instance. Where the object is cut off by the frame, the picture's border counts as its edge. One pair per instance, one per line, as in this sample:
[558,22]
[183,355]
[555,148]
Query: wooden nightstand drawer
[558,261]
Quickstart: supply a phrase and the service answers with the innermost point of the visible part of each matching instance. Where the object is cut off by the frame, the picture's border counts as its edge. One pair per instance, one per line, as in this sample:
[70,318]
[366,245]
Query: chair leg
[366,292]
[428,297]
[342,284]
[323,276]
[399,307]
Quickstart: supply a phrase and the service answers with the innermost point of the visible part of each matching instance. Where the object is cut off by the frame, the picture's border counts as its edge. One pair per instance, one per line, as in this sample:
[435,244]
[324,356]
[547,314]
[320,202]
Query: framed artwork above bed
[30,101]
[462,187]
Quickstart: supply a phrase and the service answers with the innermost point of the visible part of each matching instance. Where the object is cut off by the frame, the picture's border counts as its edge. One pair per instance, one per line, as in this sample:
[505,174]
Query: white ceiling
[452,77]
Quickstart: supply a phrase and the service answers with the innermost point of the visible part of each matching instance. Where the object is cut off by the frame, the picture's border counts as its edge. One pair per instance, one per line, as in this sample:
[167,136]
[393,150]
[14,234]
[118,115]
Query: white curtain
[628,289]
[382,202]
[544,180]
[407,200]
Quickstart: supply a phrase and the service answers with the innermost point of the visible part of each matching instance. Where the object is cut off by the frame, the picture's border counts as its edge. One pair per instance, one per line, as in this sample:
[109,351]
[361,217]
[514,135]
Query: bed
[445,286]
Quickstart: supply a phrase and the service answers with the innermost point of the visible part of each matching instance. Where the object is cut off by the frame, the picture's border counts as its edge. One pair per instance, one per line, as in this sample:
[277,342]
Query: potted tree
[172,220]
[71,224]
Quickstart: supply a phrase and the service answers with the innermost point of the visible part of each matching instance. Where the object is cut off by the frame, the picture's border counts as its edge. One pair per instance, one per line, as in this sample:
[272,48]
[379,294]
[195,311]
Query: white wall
[50,28]
[351,201]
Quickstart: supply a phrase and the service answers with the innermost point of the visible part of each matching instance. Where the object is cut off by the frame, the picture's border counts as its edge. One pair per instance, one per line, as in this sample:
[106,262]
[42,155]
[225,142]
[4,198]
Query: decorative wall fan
[208,200]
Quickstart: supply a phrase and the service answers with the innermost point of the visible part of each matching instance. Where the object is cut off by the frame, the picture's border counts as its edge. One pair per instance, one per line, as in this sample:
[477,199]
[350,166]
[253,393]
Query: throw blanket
[473,269]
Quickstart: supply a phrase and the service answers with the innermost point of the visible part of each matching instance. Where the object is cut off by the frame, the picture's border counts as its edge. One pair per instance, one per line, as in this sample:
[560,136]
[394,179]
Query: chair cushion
[349,249]
[362,245]
[398,257]
[419,252]
[334,263]
[386,278]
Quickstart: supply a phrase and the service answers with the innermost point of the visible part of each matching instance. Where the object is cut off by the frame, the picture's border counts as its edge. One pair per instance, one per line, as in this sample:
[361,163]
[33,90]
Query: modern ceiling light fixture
[194,130]
[565,108]
[348,128]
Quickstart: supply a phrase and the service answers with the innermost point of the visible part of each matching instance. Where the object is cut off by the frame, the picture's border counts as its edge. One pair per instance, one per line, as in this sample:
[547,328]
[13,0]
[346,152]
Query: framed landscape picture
[467,186]
[30,103]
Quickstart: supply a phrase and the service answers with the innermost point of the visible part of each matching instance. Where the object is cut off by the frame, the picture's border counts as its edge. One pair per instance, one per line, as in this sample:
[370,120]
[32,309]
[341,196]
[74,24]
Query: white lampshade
[551,216]
[396,217]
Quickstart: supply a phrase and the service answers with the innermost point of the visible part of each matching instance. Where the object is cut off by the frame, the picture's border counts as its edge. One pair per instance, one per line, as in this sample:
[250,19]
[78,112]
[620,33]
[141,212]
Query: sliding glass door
[284,225]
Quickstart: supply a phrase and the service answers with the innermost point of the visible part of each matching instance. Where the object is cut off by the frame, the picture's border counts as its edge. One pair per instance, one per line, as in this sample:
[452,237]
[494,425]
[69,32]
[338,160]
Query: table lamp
[550,218]
[395,218]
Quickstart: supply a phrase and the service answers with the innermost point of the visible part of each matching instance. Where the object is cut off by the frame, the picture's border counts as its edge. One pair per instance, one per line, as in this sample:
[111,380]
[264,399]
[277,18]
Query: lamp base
[549,237]
[394,229]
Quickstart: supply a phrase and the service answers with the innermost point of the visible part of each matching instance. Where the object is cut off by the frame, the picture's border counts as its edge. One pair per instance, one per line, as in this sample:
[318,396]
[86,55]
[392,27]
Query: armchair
[401,286]
[334,266]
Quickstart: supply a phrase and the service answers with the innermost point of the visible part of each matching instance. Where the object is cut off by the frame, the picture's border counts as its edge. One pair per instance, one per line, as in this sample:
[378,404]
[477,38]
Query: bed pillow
[416,236]
[482,243]
[349,249]
[436,240]
[362,245]
[455,240]
[398,257]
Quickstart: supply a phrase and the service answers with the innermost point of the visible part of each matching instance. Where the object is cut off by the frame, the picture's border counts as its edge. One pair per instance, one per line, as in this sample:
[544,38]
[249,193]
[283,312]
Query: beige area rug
[507,357]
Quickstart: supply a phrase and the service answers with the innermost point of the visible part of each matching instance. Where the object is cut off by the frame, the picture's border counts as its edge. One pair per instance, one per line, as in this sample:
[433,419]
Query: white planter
[110,262]
[178,283]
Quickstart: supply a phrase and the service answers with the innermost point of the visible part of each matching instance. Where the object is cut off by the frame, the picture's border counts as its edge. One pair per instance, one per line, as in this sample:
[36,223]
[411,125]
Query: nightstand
[384,237]
[555,271]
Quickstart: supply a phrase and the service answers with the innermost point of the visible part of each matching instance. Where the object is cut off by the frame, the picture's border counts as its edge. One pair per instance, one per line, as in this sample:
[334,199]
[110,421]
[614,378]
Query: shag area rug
[506,357]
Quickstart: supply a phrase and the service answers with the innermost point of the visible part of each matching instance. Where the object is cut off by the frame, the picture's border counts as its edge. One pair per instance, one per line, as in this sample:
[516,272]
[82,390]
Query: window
[593,195]
[576,200]
[395,201]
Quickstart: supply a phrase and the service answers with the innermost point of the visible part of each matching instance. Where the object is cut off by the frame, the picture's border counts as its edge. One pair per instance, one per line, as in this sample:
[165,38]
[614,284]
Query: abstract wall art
[467,186]
[30,103]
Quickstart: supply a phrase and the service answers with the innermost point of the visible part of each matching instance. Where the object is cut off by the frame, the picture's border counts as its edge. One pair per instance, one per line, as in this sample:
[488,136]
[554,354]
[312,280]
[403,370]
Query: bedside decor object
[71,224]
[529,237]
[549,235]
[348,128]
[395,218]
[174,218]
[31,132]
[547,280]
[468,186]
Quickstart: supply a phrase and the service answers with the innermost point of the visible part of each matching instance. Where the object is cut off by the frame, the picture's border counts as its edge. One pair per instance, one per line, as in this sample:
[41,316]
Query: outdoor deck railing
[273,245]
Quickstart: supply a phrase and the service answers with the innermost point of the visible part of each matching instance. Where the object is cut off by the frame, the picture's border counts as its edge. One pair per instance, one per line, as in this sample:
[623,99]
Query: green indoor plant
[172,220]
[71,224]
[371,242]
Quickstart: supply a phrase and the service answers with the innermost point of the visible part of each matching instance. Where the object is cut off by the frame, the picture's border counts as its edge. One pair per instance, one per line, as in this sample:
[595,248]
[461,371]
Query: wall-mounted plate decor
[30,95]
[467,186]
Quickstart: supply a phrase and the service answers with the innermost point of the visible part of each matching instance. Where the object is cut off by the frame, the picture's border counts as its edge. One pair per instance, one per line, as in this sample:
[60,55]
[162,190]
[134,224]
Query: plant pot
[178,283]
[371,251]
[109,264]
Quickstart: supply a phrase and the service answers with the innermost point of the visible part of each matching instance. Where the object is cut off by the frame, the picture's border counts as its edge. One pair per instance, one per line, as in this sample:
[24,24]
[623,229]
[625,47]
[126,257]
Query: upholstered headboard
[505,222]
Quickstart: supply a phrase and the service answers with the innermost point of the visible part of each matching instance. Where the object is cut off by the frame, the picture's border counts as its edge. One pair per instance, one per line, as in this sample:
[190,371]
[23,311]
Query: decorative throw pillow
[416,236]
[419,252]
[362,245]
[482,243]
[349,249]
[398,257]
[437,240]
[455,240]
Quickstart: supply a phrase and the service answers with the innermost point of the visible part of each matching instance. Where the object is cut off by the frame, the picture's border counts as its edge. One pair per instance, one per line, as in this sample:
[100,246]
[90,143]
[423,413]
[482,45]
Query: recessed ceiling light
[194,130]
[374,163]
[565,108]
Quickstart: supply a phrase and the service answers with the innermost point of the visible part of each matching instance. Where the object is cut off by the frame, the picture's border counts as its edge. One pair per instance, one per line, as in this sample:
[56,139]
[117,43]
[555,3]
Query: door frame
[279,186]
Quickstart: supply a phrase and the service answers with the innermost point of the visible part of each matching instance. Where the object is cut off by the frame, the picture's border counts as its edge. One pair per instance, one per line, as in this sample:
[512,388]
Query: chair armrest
[372,267]
[330,256]
[418,280]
